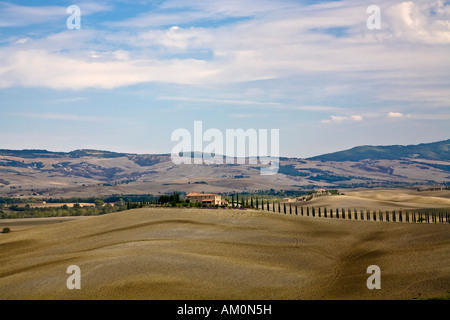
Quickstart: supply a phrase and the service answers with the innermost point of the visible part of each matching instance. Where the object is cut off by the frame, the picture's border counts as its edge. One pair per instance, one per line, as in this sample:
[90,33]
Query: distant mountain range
[95,172]
[429,151]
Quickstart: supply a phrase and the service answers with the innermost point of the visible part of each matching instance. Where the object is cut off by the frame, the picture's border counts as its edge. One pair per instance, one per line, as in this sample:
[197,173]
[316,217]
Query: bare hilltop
[177,253]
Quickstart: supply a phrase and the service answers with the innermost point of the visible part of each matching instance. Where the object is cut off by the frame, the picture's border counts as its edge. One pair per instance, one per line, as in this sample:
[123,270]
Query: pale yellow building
[205,198]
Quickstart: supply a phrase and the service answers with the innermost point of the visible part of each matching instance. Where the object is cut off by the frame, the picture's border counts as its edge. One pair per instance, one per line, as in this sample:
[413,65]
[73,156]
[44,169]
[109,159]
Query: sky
[136,71]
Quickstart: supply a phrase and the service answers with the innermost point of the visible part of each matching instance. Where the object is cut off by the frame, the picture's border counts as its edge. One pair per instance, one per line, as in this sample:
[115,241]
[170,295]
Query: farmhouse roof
[196,194]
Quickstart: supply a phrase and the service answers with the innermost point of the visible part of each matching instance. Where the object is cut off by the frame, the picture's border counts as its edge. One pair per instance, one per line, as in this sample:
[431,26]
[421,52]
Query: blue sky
[138,70]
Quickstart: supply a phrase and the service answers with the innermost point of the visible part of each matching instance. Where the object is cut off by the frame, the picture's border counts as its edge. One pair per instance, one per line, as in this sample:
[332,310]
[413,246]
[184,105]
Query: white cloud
[420,21]
[395,115]
[36,68]
[356,118]
[277,41]
[22,40]
[340,119]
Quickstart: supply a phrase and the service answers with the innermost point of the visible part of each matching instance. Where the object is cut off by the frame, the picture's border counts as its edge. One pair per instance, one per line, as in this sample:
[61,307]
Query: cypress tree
[325,212]
[273,205]
[279,207]
[251,202]
[237,199]
[313,212]
[337,213]
[307,211]
[319,211]
[284,205]
[301,210]
[331,212]
[296,210]
[290,208]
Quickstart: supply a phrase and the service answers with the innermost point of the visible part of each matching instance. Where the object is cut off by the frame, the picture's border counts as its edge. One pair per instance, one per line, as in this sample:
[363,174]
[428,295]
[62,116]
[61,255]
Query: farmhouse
[205,198]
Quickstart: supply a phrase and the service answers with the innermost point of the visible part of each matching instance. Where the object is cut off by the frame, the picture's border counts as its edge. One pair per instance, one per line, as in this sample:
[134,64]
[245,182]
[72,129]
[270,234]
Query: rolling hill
[81,173]
[429,151]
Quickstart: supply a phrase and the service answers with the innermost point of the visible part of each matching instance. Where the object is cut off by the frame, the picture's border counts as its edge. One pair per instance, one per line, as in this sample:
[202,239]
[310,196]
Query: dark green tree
[99,203]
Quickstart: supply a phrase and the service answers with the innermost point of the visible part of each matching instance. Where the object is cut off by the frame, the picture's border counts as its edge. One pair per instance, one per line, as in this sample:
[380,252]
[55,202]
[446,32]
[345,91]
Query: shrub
[6,230]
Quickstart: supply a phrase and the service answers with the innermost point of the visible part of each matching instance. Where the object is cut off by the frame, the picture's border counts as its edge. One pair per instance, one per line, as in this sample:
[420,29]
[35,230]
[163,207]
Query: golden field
[165,253]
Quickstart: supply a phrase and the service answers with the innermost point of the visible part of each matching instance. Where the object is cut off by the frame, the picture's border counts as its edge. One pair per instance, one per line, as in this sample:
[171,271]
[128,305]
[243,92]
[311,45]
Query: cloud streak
[64,117]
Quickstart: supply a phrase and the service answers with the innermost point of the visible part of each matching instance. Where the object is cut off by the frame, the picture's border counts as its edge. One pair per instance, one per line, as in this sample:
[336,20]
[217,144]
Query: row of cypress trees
[394,216]
[264,204]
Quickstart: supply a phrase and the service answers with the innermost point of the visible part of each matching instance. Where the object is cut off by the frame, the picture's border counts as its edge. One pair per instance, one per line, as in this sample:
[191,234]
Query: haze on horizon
[135,72]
